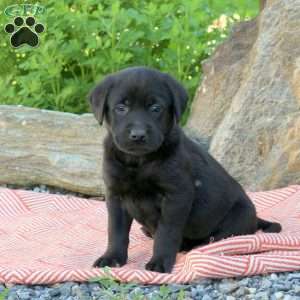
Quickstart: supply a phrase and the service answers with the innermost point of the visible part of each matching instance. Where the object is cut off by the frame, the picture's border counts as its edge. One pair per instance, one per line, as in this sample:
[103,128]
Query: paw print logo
[24,32]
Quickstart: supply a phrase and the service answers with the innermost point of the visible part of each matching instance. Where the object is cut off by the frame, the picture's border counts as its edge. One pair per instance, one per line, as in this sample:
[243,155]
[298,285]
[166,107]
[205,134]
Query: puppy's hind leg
[240,220]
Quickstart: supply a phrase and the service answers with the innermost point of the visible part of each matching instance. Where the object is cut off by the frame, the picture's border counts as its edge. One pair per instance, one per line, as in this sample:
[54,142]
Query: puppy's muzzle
[137,135]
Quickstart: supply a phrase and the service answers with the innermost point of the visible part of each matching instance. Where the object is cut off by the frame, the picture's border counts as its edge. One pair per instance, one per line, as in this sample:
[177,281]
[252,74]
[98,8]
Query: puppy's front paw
[161,264]
[109,261]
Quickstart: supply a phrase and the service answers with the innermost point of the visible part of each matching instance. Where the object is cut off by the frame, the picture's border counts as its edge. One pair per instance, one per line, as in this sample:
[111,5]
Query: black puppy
[158,176]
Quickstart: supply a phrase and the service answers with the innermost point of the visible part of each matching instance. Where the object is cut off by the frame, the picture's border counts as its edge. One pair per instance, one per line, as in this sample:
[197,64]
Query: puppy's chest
[133,182]
[145,209]
[141,196]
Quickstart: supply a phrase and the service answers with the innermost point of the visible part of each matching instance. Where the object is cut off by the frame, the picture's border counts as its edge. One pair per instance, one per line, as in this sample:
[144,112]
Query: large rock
[248,104]
[52,148]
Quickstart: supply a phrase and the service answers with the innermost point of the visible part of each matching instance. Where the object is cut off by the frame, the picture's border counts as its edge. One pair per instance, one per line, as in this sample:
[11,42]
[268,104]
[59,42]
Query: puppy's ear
[98,98]
[179,96]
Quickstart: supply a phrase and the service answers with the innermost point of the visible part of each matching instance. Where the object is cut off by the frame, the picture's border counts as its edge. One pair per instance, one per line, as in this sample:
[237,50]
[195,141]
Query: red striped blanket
[47,238]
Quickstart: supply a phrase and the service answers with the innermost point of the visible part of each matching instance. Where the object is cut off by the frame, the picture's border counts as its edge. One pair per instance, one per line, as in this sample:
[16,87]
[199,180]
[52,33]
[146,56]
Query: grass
[4,294]
[115,290]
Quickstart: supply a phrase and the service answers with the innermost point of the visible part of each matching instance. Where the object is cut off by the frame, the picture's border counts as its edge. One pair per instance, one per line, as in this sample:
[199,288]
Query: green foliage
[114,290]
[119,291]
[3,294]
[86,40]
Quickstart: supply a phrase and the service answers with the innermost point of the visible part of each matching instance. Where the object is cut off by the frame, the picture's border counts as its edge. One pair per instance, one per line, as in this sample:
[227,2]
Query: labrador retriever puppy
[158,176]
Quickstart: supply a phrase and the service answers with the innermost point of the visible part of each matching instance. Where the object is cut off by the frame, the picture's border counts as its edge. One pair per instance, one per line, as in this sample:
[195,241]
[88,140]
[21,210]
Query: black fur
[158,176]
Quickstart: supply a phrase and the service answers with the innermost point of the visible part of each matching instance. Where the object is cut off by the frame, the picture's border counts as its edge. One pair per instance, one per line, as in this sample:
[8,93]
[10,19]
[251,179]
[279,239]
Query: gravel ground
[285,286]
[281,286]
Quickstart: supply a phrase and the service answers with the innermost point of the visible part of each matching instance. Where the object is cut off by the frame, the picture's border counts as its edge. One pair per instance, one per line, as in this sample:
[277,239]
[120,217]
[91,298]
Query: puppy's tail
[267,226]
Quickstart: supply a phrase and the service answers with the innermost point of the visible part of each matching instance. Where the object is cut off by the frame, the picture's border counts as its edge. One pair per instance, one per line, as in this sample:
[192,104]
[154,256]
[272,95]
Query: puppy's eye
[155,108]
[121,109]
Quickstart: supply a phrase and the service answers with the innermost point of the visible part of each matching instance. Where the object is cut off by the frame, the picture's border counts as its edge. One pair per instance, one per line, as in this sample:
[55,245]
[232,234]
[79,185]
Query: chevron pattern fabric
[49,238]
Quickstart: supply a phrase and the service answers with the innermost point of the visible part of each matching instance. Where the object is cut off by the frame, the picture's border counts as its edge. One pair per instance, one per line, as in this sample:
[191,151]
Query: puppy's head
[140,106]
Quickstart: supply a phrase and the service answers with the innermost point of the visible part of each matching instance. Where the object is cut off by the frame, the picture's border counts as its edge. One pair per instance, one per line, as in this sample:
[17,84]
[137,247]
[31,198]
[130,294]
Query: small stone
[262,296]
[274,276]
[38,287]
[45,297]
[245,282]
[226,288]
[206,297]
[279,295]
[136,291]
[204,282]
[241,291]
[43,188]
[32,292]
[97,295]
[94,286]
[37,293]
[66,288]
[230,298]
[54,292]
[84,287]
[24,295]
[194,292]
[208,289]
[266,283]
[293,276]
[36,189]
[296,289]
[251,290]
[176,287]
[13,297]
[286,286]
[200,290]
[288,297]
[215,294]
[174,296]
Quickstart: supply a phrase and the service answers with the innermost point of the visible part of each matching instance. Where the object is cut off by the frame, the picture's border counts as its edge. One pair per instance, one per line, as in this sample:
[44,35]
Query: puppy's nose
[137,135]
